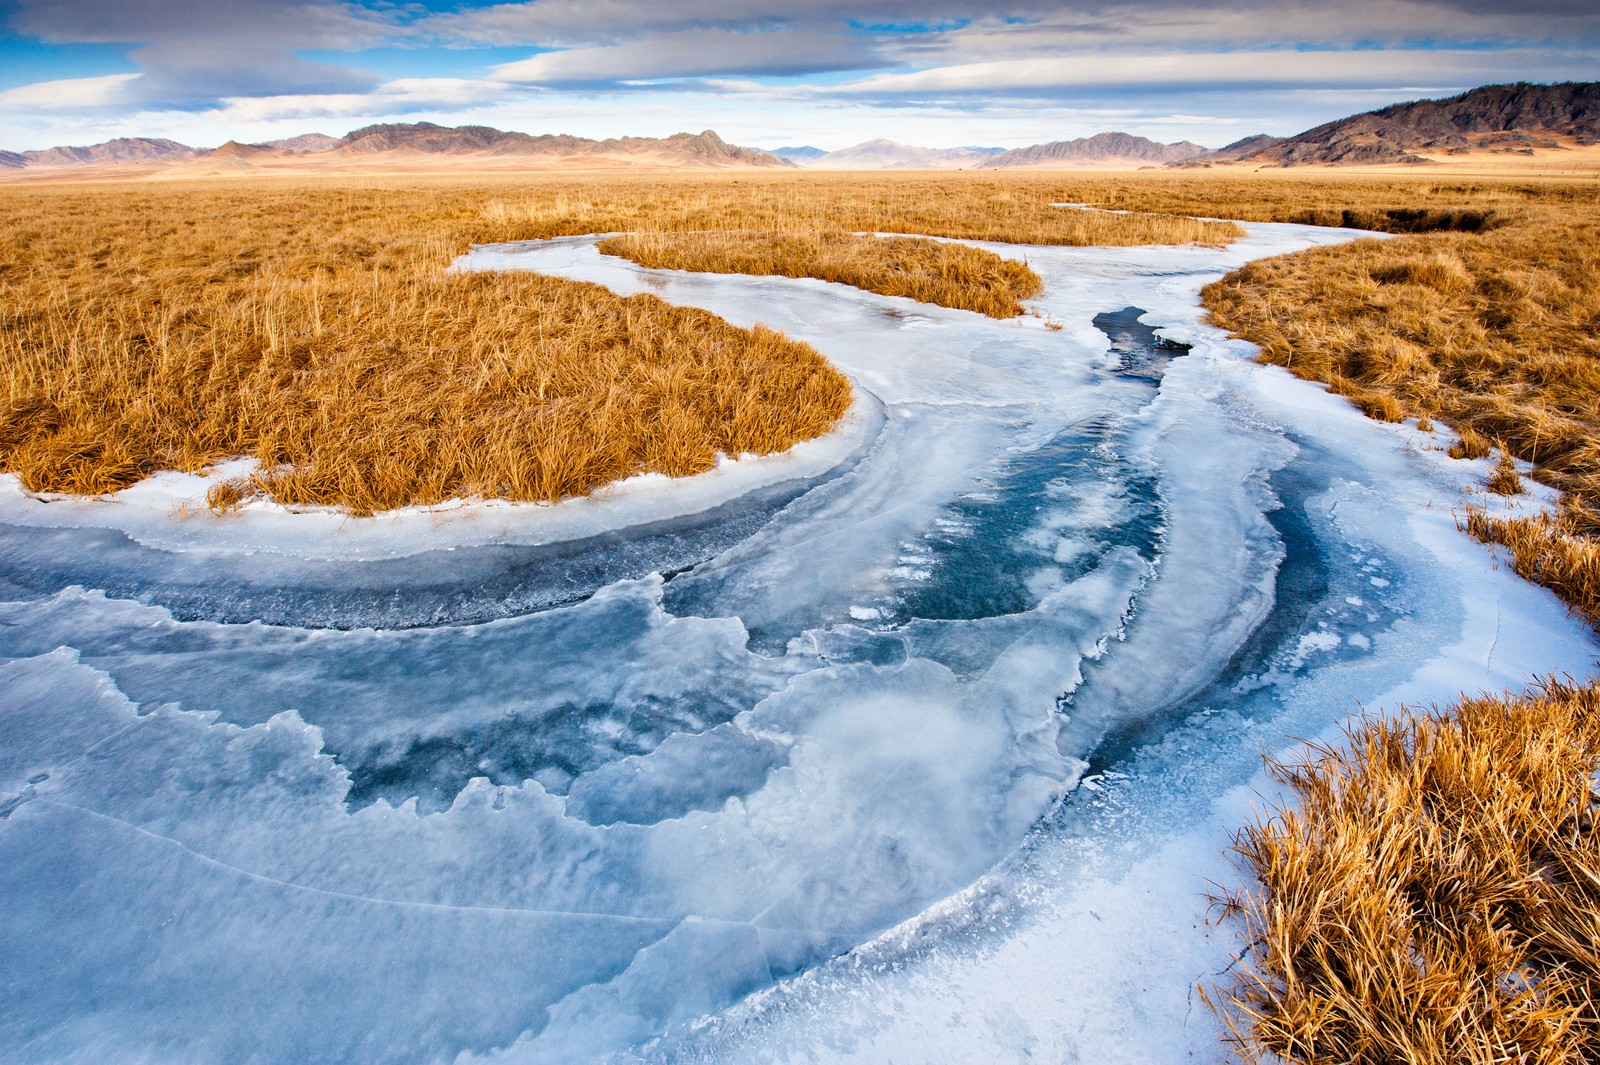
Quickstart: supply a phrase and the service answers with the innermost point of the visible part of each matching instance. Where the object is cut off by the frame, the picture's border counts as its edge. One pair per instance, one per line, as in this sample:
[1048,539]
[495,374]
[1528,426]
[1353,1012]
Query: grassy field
[313,328]
[1495,332]
[949,275]
[1435,894]
[1008,208]
[316,331]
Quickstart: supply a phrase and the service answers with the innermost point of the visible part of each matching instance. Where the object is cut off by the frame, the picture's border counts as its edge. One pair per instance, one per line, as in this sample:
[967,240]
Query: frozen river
[919,744]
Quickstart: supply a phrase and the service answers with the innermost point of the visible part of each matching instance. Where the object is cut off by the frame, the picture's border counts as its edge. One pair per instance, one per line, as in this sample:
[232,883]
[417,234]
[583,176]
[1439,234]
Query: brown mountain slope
[454,140]
[1505,118]
[694,149]
[306,142]
[1101,148]
[232,157]
[121,150]
[681,149]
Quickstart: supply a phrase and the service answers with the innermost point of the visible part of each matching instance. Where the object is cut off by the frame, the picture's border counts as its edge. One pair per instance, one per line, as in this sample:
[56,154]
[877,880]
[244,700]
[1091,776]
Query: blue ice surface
[566,803]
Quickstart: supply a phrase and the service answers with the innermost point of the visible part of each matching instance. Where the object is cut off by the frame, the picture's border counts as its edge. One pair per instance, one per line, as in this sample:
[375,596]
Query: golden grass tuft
[932,271]
[1469,445]
[1505,481]
[1552,551]
[1440,271]
[1433,896]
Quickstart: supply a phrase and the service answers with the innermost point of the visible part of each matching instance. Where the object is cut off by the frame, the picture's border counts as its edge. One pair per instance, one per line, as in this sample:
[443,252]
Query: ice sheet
[770,770]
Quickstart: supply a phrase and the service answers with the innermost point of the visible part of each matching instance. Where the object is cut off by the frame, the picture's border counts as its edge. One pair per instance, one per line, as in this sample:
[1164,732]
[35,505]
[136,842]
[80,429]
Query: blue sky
[761,72]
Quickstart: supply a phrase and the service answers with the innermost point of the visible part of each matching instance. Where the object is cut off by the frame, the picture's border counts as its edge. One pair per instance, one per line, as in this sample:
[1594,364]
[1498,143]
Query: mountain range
[1495,119]
[401,146]
[1103,149]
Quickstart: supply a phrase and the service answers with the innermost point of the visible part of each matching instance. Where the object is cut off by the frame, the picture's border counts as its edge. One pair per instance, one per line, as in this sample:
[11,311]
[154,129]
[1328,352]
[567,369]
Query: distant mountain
[803,153]
[457,140]
[1102,148]
[702,149]
[121,150]
[689,149]
[1230,153]
[891,155]
[1494,118]
[231,157]
[1244,146]
[401,146]
[305,143]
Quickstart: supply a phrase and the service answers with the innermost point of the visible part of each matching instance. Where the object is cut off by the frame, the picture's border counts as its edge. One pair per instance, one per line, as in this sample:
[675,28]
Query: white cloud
[1396,68]
[402,97]
[69,94]
[709,52]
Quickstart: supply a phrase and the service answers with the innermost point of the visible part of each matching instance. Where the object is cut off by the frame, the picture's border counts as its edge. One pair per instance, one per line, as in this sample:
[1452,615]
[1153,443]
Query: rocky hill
[1494,118]
[682,149]
[306,142]
[121,150]
[693,149]
[455,140]
[1102,149]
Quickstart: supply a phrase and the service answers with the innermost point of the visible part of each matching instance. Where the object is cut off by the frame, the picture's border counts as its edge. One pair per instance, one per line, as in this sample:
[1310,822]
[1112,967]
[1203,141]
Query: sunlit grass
[312,326]
[316,331]
[931,271]
[1433,896]
[1495,333]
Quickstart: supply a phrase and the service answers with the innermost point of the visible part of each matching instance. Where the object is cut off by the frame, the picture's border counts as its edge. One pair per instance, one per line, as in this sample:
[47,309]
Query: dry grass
[315,330]
[950,275]
[1434,896]
[311,326]
[1551,551]
[1417,202]
[1495,332]
[1007,208]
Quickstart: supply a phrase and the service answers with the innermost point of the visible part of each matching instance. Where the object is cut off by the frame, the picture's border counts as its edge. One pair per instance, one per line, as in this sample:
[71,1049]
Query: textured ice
[717,770]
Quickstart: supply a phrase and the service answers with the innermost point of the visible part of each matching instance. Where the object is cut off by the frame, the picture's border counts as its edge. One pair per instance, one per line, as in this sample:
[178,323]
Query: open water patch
[1139,350]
